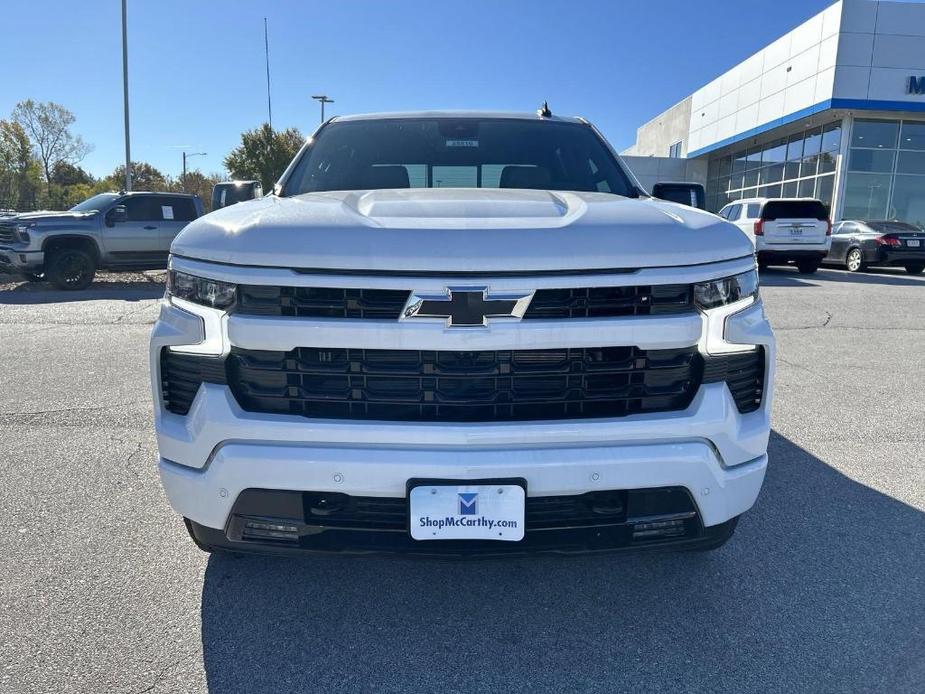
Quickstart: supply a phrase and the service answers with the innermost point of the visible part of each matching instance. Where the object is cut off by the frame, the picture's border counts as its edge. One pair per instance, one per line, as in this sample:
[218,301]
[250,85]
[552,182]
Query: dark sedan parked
[858,245]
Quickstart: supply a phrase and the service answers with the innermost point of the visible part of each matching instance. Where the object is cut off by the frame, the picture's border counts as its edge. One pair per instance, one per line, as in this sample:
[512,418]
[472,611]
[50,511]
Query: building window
[802,165]
[886,171]
[674,152]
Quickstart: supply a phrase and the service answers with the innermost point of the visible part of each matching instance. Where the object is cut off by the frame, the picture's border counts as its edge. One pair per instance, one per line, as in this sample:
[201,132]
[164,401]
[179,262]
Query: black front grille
[7,234]
[182,374]
[606,302]
[743,373]
[406,385]
[387,304]
[320,302]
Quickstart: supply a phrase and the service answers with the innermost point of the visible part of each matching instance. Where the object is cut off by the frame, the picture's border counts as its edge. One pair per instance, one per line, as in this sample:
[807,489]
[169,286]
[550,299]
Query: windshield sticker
[167,211]
[462,143]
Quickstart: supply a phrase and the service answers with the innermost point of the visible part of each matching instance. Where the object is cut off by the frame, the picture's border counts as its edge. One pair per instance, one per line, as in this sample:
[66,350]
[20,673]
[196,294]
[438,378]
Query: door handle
[149,228]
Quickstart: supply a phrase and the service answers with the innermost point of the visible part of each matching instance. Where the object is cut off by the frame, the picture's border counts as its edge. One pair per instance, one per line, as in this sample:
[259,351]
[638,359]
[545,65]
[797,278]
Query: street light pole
[322,99]
[185,157]
[128,150]
[266,49]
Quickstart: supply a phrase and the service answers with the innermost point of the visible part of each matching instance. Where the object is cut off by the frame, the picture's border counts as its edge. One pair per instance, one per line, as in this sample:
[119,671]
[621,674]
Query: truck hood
[460,230]
[48,215]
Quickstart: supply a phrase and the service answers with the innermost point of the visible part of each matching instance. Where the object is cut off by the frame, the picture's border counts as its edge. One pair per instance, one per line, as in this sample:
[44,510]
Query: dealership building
[835,110]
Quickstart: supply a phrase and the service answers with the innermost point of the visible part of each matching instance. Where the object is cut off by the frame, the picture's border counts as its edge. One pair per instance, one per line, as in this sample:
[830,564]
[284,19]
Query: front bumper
[13,260]
[218,451]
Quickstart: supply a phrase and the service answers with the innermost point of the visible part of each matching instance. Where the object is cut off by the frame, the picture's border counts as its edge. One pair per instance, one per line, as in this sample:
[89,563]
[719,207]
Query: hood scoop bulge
[464,207]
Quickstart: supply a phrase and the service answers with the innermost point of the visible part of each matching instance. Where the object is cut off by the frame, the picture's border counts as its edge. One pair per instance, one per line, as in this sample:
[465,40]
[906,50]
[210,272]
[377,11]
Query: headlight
[727,290]
[200,290]
[23,232]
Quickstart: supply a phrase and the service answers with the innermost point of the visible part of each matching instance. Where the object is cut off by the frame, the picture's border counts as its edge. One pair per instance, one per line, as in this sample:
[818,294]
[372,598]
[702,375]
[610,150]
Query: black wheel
[808,267]
[32,277]
[854,261]
[915,268]
[71,269]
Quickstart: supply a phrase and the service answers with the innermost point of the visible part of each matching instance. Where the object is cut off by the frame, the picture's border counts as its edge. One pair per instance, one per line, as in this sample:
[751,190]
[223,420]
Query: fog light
[657,529]
[266,529]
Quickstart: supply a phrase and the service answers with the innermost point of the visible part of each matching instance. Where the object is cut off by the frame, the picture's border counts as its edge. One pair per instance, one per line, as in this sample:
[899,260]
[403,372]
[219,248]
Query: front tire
[808,267]
[33,277]
[71,269]
[915,268]
[854,261]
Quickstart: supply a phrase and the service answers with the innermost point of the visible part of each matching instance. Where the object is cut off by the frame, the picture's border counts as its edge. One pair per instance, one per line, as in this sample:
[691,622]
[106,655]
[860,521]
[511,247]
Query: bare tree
[49,127]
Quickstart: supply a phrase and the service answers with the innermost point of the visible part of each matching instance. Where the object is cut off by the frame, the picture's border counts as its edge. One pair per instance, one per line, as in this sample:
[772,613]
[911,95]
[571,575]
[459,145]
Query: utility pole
[323,99]
[128,148]
[185,157]
[266,49]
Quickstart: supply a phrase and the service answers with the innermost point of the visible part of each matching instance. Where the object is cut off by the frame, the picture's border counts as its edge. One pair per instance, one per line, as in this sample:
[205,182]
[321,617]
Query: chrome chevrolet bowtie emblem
[466,307]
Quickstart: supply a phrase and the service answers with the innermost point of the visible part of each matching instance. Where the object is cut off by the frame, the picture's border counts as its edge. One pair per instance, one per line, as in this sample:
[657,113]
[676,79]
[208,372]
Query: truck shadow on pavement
[790,277]
[41,293]
[821,589]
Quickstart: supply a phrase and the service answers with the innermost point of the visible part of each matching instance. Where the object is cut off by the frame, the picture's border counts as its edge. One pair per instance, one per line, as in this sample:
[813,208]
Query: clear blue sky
[197,68]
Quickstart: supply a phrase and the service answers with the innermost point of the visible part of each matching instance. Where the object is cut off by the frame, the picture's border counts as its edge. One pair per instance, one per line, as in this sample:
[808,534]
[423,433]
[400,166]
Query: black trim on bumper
[289,522]
[770,257]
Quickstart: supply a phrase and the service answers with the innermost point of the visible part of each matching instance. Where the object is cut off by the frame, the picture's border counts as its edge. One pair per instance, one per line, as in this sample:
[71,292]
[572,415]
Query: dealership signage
[915,85]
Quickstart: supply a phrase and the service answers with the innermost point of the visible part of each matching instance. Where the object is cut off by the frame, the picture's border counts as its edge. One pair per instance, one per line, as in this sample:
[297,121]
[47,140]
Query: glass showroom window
[886,171]
[802,165]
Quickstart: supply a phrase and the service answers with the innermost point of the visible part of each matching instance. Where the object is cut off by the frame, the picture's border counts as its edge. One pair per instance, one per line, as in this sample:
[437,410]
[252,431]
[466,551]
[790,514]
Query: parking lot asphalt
[822,589]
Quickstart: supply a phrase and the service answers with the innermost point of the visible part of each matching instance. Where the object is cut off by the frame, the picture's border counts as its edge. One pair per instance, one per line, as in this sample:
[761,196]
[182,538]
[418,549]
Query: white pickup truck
[461,333]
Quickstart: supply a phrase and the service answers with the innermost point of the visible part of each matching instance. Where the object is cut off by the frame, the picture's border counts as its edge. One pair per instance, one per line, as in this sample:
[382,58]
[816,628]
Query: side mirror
[691,194]
[230,192]
[116,214]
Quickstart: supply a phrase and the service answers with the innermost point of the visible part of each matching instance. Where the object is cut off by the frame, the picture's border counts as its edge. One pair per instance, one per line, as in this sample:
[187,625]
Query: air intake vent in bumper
[182,374]
[743,373]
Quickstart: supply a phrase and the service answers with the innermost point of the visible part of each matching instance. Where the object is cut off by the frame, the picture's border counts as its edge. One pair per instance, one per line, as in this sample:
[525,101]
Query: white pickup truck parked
[461,333]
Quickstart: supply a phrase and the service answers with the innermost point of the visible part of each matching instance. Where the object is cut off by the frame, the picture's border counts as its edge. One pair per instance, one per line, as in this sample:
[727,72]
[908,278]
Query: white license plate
[467,512]
[913,244]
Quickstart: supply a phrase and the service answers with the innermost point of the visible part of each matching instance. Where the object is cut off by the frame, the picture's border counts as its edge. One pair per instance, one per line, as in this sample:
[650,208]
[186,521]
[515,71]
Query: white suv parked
[458,333]
[784,230]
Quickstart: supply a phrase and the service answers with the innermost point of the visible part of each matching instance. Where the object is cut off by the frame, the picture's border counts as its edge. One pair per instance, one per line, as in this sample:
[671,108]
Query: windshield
[97,202]
[457,153]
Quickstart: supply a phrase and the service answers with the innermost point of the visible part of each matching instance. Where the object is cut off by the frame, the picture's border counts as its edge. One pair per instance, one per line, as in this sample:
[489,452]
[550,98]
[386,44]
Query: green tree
[19,173]
[144,177]
[65,174]
[65,197]
[264,154]
[48,126]
[200,184]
